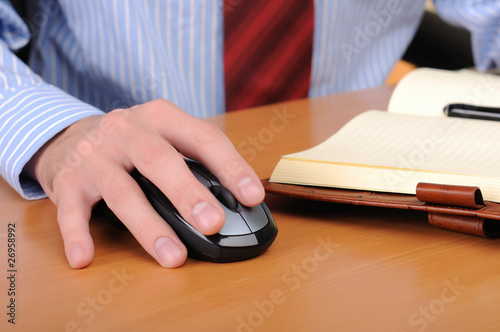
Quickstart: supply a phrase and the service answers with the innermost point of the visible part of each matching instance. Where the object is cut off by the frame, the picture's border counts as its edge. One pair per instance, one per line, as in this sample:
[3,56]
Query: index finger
[205,142]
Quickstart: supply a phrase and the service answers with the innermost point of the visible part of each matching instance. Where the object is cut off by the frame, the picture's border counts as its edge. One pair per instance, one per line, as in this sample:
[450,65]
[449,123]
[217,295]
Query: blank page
[426,91]
[383,151]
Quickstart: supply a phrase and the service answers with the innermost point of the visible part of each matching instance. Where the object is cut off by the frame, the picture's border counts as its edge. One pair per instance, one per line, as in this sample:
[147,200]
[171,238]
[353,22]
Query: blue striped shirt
[89,57]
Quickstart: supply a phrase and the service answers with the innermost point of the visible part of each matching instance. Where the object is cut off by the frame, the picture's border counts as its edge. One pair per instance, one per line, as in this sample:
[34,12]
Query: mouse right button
[256,217]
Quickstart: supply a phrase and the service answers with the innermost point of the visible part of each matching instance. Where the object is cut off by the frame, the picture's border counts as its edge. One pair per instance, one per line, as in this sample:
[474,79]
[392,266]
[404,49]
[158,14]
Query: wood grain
[332,267]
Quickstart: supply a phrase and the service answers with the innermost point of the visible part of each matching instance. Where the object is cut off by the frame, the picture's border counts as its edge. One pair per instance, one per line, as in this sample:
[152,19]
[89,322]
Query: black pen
[472,112]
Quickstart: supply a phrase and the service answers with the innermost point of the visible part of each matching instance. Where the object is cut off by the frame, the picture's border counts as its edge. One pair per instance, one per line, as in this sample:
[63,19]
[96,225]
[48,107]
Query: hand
[91,160]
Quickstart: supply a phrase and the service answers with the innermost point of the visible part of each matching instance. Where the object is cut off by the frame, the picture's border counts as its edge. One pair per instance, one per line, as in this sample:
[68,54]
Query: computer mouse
[247,231]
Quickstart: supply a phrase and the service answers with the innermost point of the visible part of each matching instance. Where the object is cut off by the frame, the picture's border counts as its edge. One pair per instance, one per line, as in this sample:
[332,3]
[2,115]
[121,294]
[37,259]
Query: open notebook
[412,142]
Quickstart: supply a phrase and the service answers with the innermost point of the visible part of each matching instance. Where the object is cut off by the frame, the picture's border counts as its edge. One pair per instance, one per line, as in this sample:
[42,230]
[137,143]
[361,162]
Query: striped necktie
[267,51]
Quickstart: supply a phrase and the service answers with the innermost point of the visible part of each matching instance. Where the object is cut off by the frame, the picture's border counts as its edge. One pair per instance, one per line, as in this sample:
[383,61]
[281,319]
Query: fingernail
[169,252]
[75,255]
[250,190]
[206,216]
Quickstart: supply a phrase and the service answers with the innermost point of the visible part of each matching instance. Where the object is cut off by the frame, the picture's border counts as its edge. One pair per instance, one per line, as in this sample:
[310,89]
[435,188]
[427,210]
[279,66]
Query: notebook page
[426,91]
[402,141]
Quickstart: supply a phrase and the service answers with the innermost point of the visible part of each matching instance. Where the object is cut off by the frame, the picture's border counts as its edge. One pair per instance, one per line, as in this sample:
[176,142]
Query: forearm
[31,111]
[31,116]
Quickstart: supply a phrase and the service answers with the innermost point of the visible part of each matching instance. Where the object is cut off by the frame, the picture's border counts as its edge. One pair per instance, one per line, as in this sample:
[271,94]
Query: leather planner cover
[456,208]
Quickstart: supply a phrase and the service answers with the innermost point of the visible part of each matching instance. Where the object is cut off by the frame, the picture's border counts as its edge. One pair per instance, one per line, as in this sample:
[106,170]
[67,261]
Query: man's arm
[31,111]
[482,19]
[92,159]
[79,156]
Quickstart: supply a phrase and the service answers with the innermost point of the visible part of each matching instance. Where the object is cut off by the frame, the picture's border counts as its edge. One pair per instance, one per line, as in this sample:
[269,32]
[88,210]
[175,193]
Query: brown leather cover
[463,224]
[483,221]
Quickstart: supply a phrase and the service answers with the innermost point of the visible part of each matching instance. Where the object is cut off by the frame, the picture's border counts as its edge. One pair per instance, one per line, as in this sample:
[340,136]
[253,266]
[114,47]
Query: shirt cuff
[30,117]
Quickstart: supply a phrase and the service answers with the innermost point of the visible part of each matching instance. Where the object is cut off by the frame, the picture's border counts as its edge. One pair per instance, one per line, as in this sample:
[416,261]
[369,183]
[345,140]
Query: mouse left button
[234,225]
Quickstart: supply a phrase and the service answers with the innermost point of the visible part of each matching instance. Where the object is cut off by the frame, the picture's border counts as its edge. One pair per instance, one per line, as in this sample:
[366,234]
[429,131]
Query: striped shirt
[89,57]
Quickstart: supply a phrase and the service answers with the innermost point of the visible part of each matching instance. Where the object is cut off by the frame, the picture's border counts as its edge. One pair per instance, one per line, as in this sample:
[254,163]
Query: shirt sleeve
[482,19]
[31,111]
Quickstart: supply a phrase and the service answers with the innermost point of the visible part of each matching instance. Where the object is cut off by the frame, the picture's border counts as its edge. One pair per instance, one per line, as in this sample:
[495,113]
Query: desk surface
[332,267]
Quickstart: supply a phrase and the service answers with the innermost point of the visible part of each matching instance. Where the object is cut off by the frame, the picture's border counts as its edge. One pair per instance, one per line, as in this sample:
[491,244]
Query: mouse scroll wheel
[225,197]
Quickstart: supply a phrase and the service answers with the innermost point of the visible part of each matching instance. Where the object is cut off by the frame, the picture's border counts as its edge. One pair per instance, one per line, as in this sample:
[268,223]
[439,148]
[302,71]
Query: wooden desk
[332,267]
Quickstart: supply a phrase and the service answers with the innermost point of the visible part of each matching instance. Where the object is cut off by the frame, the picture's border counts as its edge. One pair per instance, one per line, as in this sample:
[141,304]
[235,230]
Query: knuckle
[115,191]
[116,120]
[56,177]
[66,213]
[207,133]
[159,107]
[186,195]
[231,169]
[143,227]
[151,152]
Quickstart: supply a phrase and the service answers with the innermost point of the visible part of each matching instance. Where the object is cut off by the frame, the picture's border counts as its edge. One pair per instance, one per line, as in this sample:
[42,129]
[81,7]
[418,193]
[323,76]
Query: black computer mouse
[247,231]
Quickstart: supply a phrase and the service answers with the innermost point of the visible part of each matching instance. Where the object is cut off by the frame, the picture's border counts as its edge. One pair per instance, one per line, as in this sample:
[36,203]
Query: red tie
[267,51]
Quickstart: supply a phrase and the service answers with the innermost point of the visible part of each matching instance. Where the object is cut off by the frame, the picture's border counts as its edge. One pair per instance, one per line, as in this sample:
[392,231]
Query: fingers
[161,163]
[148,137]
[211,147]
[148,228]
[125,198]
[73,216]
[206,143]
